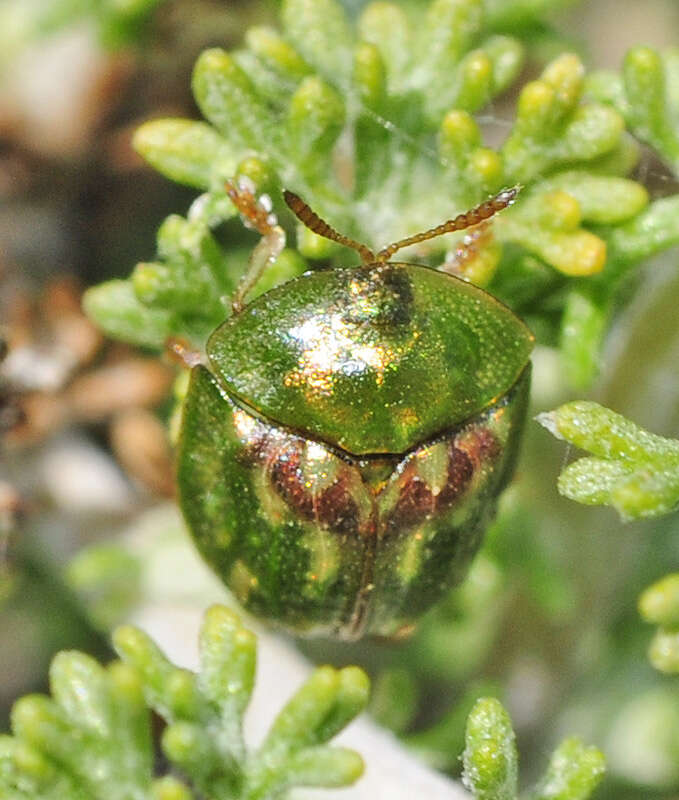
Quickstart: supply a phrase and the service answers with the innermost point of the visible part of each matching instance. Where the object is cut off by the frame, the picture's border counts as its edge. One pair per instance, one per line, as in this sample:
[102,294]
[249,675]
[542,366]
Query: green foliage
[632,470]
[106,579]
[465,623]
[491,761]
[92,740]
[659,605]
[645,93]
[372,124]
[118,22]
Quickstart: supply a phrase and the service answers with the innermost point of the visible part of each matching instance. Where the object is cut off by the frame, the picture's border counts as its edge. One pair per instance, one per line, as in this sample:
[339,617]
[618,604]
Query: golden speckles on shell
[334,350]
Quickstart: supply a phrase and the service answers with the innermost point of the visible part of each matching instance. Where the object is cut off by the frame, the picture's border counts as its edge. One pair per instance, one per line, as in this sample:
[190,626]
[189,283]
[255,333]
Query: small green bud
[322,766]
[31,762]
[256,170]
[269,46]
[458,136]
[169,237]
[649,492]
[593,131]
[450,26]
[297,723]
[582,328]
[38,721]
[663,652]
[621,160]
[370,75]
[534,114]
[189,746]
[606,434]
[474,79]
[315,119]
[574,772]
[184,151]
[226,645]
[565,75]
[654,229]
[556,210]
[591,481]
[182,693]
[170,788]
[576,254]
[151,282]
[139,650]
[602,200]
[126,685]
[80,686]
[485,170]
[115,308]
[320,31]
[229,100]
[353,692]
[490,759]
[385,25]
[507,57]
[644,80]
[659,603]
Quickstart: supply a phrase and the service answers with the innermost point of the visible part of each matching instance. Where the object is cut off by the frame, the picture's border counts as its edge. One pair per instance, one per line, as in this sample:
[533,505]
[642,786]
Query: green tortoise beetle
[344,444]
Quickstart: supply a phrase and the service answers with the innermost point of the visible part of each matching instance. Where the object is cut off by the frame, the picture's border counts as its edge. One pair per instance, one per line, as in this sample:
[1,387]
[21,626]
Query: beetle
[344,444]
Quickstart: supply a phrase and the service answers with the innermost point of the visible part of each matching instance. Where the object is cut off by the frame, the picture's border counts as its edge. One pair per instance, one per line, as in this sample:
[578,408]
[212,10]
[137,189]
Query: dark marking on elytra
[418,502]
[333,507]
[383,296]
[481,445]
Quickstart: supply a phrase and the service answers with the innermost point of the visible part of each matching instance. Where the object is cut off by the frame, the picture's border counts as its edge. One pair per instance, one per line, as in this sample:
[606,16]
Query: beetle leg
[468,249]
[180,352]
[257,214]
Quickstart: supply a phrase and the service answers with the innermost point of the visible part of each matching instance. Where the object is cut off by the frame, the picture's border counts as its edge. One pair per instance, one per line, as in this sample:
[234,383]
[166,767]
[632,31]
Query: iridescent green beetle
[344,446]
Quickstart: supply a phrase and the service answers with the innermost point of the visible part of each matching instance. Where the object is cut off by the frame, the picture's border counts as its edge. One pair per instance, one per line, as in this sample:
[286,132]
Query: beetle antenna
[314,223]
[478,214]
[257,214]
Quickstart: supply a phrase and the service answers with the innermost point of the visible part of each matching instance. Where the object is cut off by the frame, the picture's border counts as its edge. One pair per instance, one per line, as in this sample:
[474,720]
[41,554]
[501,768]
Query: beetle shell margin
[372,359]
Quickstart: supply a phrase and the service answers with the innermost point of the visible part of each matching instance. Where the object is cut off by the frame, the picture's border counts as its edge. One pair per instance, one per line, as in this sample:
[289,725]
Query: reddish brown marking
[334,508]
[480,445]
[466,455]
[286,480]
[460,472]
[415,502]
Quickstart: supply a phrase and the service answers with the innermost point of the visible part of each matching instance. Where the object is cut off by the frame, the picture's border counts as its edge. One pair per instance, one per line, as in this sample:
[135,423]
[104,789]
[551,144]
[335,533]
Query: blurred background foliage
[548,618]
